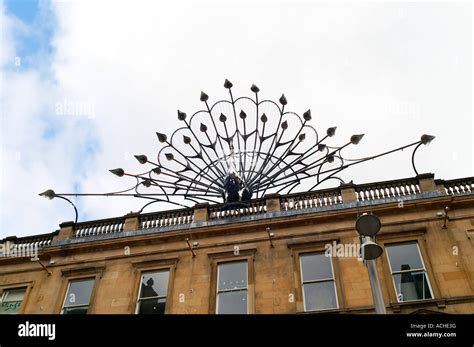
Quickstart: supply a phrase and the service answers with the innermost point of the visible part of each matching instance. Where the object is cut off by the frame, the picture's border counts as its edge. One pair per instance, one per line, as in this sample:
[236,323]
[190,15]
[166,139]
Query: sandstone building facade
[268,258]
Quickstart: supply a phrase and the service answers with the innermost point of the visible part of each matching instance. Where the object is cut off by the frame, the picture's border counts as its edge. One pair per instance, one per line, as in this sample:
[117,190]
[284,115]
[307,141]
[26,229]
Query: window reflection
[153,291]
[408,272]
[319,286]
[78,296]
[11,300]
[232,290]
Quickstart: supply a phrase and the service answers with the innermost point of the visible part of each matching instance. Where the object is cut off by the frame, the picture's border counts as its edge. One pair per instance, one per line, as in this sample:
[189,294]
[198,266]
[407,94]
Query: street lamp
[368,225]
[50,195]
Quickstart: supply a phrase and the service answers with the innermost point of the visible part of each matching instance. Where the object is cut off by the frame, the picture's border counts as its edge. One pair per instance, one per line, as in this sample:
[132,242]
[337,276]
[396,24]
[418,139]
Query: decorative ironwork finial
[241,148]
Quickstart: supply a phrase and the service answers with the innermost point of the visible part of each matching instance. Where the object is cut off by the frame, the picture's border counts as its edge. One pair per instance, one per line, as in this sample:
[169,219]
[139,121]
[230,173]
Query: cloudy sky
[393,71]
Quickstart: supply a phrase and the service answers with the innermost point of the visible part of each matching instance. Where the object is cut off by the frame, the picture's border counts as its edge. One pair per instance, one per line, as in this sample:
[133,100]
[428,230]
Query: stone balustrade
[413,187]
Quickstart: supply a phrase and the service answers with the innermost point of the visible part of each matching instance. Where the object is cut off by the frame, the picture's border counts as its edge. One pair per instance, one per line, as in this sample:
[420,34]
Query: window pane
[319,296]
[232,302]
[10,307]
[154,284]
[152,306]
[232,276]
[404,257]
[412,286]
[14,294]
[12,300]
[75,310]
[316,267]
[79,292]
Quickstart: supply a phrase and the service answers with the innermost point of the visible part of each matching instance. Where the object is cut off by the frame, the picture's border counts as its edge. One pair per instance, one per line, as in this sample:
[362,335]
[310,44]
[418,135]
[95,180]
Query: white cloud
[392,71]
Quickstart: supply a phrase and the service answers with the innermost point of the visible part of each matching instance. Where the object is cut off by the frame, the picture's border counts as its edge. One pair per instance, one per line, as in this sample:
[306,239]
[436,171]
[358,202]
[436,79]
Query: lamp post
[50,195]
[368,225]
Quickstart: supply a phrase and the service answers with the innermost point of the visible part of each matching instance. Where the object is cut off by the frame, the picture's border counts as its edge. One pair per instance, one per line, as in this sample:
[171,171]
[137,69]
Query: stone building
[268,258]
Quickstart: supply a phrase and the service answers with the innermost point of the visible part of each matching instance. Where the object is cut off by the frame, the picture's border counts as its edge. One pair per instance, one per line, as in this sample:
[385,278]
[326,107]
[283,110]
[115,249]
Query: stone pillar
[66,232]
[201,212]
[440,187]
[131,221]
[426,182]
[6,244]
[272,202]
[348,192]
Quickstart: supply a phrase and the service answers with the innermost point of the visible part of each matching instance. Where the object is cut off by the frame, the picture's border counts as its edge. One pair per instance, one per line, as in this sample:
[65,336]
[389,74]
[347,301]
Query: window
[153,290]
[319,287]
[78,296]
[11,300]
[408,272]
[232,288]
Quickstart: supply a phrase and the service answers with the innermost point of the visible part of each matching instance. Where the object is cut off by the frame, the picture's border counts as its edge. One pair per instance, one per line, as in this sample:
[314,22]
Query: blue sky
[32,29]
[25,10]
[34,46]
[390,70]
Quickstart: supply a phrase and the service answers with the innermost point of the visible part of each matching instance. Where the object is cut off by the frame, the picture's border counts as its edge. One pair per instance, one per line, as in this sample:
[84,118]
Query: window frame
[78,279]
[247,254]
[140,299]
[12,286]
[333,280]
[313,247]
[78,273]
[232,290]
[4,291]
[153,265]
[424,270]
[405,236]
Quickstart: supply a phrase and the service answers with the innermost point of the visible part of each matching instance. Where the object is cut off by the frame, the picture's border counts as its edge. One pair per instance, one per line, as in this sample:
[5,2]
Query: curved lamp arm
[50,194]
[425,140]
